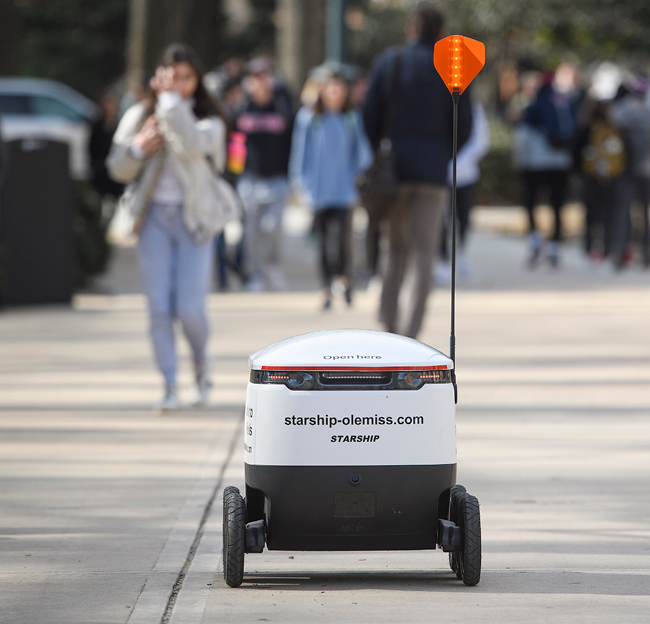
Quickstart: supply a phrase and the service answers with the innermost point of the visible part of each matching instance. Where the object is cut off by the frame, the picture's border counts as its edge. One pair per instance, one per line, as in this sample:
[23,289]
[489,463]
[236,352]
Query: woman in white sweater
[166,148]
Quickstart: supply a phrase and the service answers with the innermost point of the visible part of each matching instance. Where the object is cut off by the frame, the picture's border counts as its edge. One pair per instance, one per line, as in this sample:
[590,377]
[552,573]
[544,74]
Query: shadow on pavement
[621,583]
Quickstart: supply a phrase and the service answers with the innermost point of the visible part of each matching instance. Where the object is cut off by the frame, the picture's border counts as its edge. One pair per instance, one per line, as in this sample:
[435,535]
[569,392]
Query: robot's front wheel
[234,536]
[465,512]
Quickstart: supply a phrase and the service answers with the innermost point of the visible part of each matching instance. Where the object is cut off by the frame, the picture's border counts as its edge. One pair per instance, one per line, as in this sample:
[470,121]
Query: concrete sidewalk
[497,253]
[107,507]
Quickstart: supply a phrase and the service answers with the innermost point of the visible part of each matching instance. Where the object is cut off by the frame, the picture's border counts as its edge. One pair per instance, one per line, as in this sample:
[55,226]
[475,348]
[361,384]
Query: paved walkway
[107,508]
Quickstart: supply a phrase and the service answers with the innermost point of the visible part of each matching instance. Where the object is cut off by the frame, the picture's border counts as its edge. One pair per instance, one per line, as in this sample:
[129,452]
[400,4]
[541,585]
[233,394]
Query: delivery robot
[350,435]
[350,444]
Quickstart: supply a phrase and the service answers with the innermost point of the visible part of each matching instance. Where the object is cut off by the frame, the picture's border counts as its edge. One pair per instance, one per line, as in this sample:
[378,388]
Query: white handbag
[208,219]
[225,205]
[121,227]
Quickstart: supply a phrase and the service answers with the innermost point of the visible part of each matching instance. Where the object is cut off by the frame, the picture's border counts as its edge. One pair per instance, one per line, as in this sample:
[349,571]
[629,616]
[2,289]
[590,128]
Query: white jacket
[470,155]
[188,142]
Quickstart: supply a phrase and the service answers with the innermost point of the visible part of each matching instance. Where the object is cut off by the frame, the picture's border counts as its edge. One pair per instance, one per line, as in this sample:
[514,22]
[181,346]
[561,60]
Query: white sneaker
[170,401]
[255,284]
[375,285]
[202,389]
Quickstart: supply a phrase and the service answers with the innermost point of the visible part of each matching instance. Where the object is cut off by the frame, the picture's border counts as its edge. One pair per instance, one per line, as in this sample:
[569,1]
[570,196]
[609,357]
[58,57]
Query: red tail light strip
[367,369]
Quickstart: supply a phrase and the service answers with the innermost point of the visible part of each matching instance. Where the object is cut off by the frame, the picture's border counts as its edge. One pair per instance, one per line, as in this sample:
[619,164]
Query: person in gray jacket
[166,148]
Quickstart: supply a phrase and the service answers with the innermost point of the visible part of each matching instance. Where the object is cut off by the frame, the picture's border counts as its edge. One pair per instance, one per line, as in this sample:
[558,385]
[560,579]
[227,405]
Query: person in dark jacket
[422,145]
[101,139]
[631,113]
[603,158]
[543,153]
[267,122]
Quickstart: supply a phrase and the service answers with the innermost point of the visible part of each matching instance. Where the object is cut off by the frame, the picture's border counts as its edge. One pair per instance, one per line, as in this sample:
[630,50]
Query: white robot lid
[349,349]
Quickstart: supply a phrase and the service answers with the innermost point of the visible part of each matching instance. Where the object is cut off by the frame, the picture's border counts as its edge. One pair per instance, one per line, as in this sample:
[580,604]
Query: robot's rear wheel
[457,492]
[234,536]
[465,512]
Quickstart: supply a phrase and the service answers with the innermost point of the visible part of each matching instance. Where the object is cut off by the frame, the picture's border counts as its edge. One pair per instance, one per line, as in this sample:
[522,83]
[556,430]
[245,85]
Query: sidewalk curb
[159,592]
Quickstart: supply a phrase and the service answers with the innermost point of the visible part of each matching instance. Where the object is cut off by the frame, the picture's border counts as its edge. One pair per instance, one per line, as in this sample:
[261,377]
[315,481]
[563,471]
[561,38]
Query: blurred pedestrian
[530,83]
[468,175]
[229,255]
[229,258]
[224,83]
[221,78]
[543,151]
[359,90]
[233,96]
[602,157]
[631,113]
[101,139]
[421,140]
[168,145]
[267,121]
[329,148]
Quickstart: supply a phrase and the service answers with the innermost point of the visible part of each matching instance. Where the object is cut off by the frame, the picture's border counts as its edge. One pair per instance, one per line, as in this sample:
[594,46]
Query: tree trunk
[136,39]
[9,38]
[300,38]
[200,23]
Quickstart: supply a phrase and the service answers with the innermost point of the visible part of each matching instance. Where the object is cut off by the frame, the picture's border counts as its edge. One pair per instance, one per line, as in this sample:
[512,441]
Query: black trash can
[36,224]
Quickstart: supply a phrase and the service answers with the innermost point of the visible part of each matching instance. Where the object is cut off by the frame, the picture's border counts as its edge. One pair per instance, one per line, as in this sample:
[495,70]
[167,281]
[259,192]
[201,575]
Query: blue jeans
[176,275]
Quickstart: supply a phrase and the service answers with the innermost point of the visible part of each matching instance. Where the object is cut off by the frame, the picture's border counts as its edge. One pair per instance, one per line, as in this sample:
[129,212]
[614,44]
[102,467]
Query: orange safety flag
[458,60]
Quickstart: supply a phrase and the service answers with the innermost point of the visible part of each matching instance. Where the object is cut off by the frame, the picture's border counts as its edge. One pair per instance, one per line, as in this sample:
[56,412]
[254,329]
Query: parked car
[45,109]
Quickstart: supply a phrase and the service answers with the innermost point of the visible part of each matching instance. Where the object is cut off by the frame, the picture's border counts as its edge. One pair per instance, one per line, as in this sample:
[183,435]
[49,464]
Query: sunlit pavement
[105,503]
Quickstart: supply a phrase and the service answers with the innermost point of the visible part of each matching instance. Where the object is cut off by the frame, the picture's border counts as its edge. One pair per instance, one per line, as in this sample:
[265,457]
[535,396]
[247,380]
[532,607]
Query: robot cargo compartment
[349,507]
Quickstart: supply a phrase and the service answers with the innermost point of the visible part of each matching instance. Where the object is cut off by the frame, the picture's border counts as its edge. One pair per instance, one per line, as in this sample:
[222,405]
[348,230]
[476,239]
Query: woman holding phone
[166,149]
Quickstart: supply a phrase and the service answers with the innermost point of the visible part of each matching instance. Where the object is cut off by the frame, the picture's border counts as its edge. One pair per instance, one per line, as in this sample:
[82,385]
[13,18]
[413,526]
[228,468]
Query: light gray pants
[176,275]
[264,200]
[415,232]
